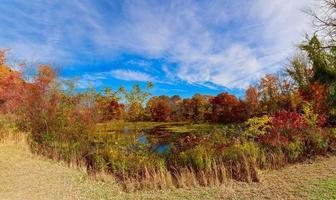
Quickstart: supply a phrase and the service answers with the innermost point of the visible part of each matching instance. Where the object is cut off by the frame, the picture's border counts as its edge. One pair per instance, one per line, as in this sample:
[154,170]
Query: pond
[134,148]
[156,138]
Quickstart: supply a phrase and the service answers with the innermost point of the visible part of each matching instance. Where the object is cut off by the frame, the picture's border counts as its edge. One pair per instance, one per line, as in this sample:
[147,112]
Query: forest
[157,142]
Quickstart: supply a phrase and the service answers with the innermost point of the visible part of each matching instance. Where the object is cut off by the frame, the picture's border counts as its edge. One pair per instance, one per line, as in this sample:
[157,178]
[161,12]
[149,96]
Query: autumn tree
[319,72]
[223,108]
[176,108]
[159,108]
[53,117]
[300,71]
[135,100]
[135,111]
[115,110]
[269,93]
[108,105]
[322,60]
[322,54]
[11,86]
[187,110]
[251,100]
[201,108]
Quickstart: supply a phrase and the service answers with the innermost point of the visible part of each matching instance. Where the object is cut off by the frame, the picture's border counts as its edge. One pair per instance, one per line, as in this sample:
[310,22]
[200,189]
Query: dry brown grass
[182,178]
[26,176]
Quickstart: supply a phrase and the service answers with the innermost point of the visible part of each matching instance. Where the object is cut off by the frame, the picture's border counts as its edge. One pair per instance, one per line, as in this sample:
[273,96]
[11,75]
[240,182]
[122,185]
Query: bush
[315,142]
[331,134]
[242,160]
[286,127]
[198,157]
[257,126]
[311,119]
[294,150]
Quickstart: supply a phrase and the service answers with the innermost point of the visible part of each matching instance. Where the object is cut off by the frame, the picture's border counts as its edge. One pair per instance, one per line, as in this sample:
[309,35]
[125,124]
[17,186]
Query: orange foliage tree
[11,86]
[224,108]
[251,100]
[159,108]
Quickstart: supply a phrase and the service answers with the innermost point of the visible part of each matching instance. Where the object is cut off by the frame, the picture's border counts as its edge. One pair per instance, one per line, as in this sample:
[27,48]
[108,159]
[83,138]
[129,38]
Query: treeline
[309,77]
[45,103]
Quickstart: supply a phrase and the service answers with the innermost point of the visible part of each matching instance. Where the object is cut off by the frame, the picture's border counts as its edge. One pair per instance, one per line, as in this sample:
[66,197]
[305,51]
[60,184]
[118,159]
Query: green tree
[201,108]
[323,61]
[136,100]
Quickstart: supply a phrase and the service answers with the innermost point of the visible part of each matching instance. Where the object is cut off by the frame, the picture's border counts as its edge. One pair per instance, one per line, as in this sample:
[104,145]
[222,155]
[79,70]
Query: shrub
[294,150]
[242,160]
[285,127]
[315,142]
[198,157]
[257,126]
[331,133]
[311,119]
[288,124]
[59,124]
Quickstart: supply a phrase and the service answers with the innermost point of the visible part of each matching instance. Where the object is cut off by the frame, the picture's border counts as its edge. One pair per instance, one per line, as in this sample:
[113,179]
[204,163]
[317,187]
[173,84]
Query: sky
[183,47]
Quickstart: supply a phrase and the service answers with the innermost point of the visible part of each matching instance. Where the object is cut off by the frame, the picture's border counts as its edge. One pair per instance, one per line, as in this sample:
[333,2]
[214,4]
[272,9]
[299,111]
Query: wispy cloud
[129,75]
[228,43]
[91,80]
[97,79]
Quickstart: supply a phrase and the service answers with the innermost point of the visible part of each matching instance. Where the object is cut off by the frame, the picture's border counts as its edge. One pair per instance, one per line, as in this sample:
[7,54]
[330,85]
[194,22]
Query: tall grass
[9,132]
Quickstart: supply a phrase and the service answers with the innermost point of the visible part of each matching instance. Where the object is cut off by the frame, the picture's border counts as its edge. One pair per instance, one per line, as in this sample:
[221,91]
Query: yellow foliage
[309,116]
[257,126]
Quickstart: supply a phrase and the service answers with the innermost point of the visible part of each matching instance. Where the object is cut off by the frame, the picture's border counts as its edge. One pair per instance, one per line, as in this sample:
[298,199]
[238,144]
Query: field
[26,176]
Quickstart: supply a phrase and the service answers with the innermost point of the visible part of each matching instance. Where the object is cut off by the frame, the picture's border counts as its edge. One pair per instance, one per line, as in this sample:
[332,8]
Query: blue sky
[183,47]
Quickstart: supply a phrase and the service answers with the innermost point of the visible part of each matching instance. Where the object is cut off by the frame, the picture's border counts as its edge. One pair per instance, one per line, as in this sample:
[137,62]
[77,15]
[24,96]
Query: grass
[120,125]
[322,189]
[175,127]
[183,128]
[26,176]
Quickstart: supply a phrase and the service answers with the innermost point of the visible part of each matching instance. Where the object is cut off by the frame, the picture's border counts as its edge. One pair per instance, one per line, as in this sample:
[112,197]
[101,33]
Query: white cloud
[129,75]
[229,43]
[96,79]
[91,80]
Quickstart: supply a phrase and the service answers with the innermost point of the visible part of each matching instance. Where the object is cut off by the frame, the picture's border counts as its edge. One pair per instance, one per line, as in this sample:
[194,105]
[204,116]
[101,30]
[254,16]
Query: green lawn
[322,189]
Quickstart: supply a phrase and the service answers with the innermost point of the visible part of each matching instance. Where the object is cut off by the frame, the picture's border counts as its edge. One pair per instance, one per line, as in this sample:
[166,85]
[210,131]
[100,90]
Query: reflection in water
[155,147]
[143,139]
[159,139]
[163,149]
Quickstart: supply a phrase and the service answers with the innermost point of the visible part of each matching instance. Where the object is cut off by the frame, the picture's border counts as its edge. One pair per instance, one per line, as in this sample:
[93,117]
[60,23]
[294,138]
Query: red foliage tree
[224,108]
[159,108]
[317,94]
